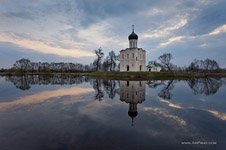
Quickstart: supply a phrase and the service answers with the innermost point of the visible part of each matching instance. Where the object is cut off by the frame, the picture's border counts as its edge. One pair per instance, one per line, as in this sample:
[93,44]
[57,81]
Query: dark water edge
[115,75]
[68,112]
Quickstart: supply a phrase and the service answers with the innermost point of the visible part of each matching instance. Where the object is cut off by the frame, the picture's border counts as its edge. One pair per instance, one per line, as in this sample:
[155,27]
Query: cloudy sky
[69,30]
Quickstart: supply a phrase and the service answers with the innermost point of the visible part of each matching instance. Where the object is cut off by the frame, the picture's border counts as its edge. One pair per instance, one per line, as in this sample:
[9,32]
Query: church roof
[133,36]
[153,65]
[132,49]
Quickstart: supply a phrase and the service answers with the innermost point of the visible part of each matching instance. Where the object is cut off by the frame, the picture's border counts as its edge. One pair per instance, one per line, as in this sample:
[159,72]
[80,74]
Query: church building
[133,58]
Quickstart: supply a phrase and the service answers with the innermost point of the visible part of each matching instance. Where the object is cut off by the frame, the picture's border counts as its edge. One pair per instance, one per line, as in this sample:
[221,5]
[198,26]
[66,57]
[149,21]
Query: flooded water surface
[67,112]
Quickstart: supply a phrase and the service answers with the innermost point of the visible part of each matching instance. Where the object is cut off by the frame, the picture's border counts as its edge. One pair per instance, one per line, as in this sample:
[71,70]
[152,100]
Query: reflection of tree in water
[110,87]
[20,82]
[165,92]
[207,86]
[24,82]
[98,88]
[154,83]
[166,87]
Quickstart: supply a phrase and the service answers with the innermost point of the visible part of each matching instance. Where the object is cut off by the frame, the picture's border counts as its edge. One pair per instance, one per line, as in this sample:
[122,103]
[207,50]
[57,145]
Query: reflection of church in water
[132,92]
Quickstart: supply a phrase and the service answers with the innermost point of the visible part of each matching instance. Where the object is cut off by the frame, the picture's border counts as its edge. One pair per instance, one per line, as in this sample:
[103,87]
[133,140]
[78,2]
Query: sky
[70,30]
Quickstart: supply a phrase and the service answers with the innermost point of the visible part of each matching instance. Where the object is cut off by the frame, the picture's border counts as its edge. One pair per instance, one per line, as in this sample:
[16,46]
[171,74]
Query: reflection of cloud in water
[71,101]
[96,110]
[170,104]
[165,114]
[43,96]
[217,114]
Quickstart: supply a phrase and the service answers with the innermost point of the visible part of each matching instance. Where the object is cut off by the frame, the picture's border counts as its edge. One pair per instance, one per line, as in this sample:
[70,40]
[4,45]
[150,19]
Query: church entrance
[140,67]
[127,67]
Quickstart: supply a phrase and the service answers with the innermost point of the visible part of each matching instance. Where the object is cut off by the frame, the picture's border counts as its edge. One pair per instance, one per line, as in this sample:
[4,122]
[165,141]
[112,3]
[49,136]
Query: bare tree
[112,58]
[210,65]
[106,64]
[23,65]
[99,53]
[203,65]
[165,61]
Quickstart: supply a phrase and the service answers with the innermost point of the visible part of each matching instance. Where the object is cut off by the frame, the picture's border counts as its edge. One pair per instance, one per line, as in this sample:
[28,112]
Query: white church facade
[133,58]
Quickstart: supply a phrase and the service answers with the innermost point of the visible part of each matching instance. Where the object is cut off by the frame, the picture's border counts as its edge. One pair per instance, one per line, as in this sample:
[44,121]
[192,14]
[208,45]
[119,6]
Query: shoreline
[114,75]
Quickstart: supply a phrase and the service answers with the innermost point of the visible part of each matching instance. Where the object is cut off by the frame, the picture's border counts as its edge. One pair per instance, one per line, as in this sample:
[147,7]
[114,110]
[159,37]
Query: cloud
[154,11]
[45,48]
[219,30]
[22,15]
[99,34]
[166,29]
[172,40]
[208,16]
[75,28]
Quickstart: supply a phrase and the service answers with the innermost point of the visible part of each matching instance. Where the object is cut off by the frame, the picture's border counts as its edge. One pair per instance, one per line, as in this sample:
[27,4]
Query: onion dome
[133,35]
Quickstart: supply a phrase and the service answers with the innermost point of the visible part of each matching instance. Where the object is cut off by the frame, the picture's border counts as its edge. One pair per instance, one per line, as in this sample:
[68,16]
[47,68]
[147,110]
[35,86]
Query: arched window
[127,83]
[127,67]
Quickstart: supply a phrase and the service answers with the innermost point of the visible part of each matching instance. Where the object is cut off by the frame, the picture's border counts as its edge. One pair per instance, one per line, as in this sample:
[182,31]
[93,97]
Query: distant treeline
[110,63]
[207,65]
[25,65]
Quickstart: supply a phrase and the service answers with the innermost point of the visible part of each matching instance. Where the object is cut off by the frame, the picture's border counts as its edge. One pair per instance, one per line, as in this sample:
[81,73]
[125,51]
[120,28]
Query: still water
[66,112]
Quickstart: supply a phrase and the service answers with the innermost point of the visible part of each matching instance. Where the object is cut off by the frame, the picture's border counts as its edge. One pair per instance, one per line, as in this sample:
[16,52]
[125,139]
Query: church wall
[133,57]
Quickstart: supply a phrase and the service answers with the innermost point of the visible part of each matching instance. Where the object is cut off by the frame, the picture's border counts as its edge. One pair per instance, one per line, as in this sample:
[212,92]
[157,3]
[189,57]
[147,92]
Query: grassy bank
[149,75]
[39,73]
[131,75]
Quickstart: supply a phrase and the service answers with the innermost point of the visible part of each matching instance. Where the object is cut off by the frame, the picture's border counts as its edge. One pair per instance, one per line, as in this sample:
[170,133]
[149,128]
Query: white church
[134,58]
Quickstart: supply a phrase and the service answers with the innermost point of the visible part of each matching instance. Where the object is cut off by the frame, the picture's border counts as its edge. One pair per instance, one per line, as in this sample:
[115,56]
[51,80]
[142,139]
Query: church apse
[132,92]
